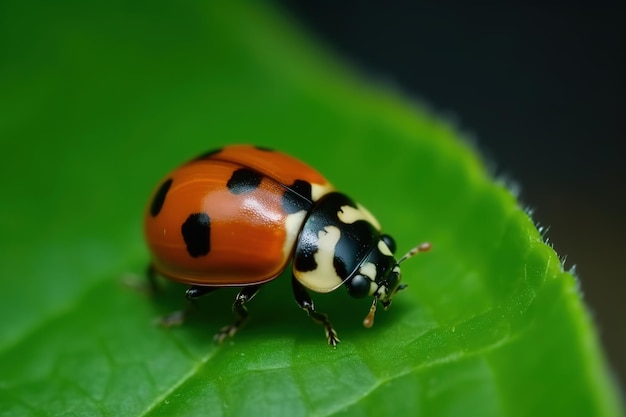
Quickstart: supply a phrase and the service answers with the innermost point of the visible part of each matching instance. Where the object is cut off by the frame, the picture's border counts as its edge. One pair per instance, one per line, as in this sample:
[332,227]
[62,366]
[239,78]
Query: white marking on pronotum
[293,223]
[324,278]
[349,215]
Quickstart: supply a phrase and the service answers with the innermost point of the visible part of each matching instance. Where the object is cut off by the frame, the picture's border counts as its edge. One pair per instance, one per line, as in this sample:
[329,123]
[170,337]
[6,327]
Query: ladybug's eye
[391,244]
[359,286]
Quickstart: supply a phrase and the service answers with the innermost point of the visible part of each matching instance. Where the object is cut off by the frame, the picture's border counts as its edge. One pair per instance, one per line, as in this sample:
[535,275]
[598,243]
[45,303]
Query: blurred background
[539,89]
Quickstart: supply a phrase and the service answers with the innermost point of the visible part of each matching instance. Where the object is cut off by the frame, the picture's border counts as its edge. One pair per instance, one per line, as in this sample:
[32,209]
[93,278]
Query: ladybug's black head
[387,282]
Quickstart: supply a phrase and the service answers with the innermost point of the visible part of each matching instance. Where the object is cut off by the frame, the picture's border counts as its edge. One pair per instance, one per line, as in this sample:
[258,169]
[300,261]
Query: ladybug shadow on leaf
[272,313]
[201,317]
[275,313]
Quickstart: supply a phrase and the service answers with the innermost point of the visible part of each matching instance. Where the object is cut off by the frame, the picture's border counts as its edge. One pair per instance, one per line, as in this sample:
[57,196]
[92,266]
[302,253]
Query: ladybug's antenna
[424,247]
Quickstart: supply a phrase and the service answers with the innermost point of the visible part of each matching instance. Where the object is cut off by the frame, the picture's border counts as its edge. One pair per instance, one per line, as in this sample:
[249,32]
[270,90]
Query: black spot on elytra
[244,180]
[297,197]
[159,198]
[197,234]
[208,154]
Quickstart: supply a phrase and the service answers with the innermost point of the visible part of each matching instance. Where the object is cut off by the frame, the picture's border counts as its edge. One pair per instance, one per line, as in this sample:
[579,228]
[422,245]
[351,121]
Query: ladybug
[236,217]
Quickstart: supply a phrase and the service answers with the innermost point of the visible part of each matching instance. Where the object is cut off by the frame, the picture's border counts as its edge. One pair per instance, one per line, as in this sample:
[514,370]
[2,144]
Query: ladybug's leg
[178,317]
[304,301]
[152,280]
[240,311]
[196,291]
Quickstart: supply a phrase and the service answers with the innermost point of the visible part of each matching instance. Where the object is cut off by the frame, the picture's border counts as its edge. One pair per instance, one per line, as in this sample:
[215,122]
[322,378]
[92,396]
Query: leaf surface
[101,100]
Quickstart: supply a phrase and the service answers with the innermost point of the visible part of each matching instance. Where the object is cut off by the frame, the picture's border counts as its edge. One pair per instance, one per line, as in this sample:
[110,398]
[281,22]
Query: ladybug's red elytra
[236,217]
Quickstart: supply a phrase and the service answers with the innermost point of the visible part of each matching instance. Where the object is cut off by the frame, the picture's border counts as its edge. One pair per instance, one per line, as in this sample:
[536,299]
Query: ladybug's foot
[240,311]
[331,336]
[146,285]
[321,318]
[304,301]
[173,319]
[225,333]
[177,318]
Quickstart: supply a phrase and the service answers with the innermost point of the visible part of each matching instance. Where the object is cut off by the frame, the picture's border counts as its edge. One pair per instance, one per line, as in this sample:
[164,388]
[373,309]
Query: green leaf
[100,100]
